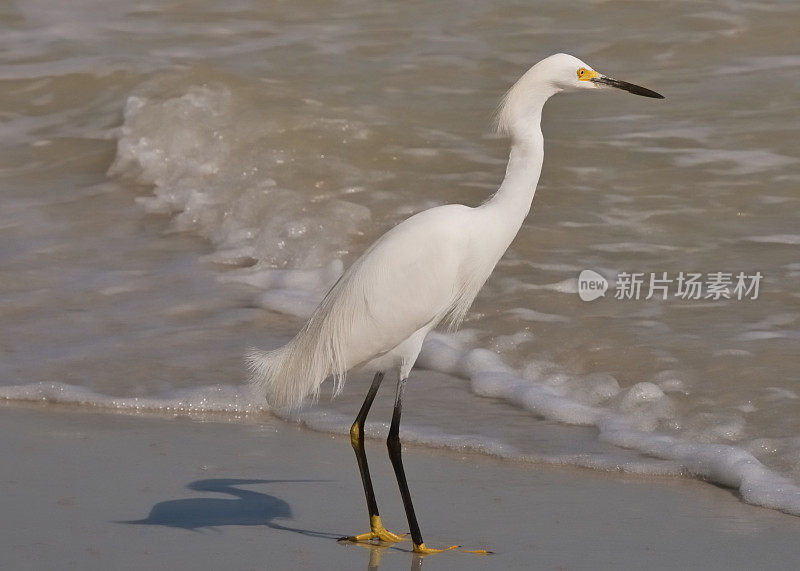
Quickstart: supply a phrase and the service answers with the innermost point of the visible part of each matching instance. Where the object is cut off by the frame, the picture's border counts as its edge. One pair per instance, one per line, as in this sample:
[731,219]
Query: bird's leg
[395,454]
[377,530]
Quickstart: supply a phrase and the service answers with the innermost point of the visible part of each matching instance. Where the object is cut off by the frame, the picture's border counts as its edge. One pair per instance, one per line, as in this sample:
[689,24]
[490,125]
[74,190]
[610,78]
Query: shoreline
[101,491]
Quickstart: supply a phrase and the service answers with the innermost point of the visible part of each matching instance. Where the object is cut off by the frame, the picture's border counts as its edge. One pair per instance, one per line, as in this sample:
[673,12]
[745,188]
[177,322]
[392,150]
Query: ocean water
[183,181]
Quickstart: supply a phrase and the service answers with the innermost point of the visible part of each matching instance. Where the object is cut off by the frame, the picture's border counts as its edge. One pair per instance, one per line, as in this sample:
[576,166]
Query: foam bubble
[210,399]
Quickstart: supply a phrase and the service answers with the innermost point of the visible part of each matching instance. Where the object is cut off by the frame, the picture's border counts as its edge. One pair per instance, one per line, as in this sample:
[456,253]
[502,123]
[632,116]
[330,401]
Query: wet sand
[101,491]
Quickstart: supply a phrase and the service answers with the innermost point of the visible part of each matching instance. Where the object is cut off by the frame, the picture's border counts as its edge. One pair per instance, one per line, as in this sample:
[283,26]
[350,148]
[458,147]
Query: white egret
[424,271]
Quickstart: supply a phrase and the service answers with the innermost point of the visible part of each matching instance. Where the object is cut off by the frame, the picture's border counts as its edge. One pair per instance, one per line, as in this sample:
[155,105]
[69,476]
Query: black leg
[357,440]
[395,455]
[377,531]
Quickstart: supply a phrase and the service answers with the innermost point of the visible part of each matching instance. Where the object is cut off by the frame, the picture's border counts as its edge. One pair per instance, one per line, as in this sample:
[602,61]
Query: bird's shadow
[247,507]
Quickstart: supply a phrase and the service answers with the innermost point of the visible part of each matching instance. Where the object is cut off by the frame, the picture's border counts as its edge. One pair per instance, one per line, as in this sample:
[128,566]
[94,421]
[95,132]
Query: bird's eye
[581,71]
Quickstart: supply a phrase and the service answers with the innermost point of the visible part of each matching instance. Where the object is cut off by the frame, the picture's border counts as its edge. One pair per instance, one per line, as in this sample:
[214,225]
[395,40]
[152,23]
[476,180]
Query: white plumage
[378,313]
[426,269]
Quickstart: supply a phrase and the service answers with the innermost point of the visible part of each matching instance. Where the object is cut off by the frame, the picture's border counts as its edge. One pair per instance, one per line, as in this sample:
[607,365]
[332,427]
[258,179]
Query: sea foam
[196,152]
[628,423]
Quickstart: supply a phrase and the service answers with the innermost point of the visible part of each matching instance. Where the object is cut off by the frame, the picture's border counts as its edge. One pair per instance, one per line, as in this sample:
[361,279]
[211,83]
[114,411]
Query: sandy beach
[106,491]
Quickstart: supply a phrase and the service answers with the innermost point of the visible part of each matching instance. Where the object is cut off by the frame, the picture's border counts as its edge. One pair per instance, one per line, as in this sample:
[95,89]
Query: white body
[425,270]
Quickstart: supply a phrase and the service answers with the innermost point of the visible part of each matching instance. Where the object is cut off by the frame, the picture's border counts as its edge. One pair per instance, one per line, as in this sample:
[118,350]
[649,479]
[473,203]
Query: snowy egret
[424,271]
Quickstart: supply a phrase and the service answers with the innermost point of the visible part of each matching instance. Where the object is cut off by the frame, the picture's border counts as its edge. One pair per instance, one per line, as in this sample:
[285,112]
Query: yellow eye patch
[587,74]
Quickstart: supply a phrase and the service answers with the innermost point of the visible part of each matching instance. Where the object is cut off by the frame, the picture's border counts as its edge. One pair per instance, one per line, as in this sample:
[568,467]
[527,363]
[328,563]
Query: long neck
[513,199]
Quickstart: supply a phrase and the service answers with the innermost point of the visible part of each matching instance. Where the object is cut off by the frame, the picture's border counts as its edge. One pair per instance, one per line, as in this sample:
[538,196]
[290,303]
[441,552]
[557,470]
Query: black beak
[624,85]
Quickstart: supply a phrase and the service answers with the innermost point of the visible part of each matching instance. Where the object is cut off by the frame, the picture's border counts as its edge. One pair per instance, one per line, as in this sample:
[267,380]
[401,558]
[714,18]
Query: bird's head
[522,105]
[566,72]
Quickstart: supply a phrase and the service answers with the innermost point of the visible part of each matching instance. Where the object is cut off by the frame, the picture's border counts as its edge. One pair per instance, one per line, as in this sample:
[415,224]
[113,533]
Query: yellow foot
[377,532]
[423,550]
[477,551]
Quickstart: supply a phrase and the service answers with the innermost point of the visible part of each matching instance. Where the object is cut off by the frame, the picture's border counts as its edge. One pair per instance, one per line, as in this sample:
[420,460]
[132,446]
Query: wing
[410,277]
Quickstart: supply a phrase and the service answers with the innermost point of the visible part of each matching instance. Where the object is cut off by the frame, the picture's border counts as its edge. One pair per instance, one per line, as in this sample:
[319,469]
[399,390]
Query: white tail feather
[266,370]
[286,376]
